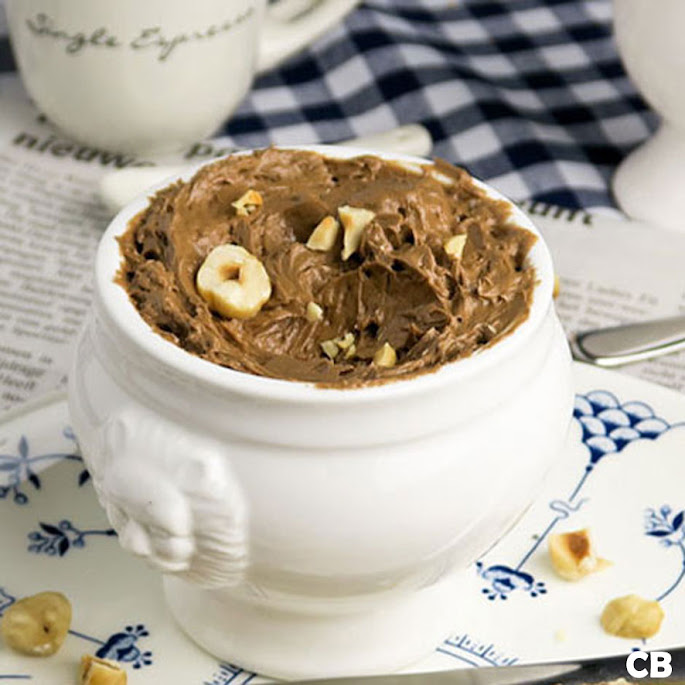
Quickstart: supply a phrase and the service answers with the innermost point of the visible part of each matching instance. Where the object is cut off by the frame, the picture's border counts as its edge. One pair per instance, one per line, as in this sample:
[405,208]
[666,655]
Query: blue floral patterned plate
[621,475]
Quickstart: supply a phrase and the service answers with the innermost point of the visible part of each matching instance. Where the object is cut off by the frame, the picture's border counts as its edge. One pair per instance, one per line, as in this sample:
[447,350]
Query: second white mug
[153,76]
[649,183]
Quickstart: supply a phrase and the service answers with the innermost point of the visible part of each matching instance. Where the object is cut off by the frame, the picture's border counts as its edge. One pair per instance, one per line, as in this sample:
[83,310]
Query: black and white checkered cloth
[527,94]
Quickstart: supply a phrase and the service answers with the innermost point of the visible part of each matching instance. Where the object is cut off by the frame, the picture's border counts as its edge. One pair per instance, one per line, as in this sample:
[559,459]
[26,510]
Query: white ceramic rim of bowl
[117,306]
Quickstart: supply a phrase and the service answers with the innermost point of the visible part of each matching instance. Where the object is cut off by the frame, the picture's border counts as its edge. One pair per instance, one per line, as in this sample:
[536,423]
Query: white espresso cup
[154,75]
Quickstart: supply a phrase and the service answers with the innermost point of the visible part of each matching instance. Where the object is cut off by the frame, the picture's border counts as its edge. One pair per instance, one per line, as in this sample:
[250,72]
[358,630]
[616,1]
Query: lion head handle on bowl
[172,498]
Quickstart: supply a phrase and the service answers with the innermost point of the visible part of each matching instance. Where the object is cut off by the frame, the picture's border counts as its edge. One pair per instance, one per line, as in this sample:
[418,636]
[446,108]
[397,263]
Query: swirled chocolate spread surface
[433,301]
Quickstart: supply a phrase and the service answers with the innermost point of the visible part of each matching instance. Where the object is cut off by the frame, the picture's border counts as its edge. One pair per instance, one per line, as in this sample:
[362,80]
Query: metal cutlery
[593,670]
[618,345]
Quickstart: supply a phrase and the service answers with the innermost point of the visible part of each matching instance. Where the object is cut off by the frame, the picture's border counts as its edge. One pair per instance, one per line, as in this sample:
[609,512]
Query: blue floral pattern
[6,600]
[18,468]
[668,528]
[228,673]
[475,652]
[123,647]
[607,427]
[503,580]
[57,540]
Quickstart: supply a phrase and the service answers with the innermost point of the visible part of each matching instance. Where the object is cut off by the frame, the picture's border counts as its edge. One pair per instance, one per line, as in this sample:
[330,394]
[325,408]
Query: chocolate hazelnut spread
[409,287]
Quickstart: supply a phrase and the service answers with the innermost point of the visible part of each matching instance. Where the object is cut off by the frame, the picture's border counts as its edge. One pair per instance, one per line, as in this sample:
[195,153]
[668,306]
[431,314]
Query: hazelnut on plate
[37,625]
[572,555]
[96,671]
[633,617]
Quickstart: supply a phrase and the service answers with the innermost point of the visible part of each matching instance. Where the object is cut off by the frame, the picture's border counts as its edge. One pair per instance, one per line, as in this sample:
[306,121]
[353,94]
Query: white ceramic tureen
[304,531]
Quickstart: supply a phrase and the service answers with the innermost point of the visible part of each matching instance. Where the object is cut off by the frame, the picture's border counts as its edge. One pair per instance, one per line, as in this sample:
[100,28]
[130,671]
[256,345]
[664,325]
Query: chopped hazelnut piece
[632,617]
[330,349]
[345,342]
[354,221]
[314,312]
[572,555]
[323,237]
[37,625]
[385,356]
[454,246]
[248,203]
[96,671]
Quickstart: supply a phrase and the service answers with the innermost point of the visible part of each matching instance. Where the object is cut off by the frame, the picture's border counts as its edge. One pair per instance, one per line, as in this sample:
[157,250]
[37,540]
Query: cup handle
[290,25]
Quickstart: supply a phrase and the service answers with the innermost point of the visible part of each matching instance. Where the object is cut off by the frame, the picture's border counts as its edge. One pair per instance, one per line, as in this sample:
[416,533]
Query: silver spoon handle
[630,342]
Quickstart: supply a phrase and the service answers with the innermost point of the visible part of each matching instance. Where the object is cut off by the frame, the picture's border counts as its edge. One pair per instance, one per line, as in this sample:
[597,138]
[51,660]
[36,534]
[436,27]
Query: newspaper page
[51,219]
[50,223]
[615,271]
